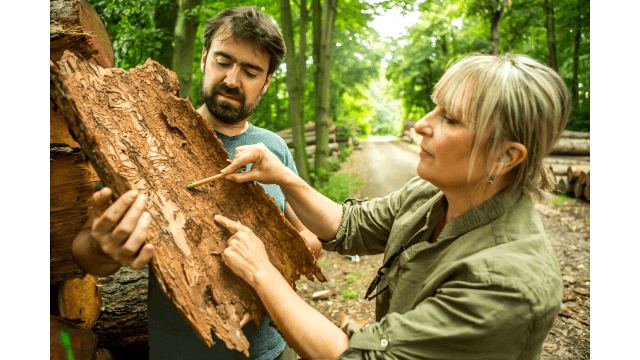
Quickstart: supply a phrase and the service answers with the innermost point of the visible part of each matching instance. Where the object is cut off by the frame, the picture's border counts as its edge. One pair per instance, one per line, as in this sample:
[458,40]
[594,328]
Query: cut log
[76,26]
[73,25]
[72,183]
[578,187]
[568,134]
[567,160]
[103,354]
[139,135]
[80,300]
[310,139]
[558,169]
[572,147]
[308,128]
[564,186]
[344,140]
[122,325]
[587,192]
[573,172]
[588,183]
[70,341]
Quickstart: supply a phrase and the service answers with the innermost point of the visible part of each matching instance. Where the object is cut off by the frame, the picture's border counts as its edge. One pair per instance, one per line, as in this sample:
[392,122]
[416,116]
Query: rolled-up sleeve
[462,321]
[365,225]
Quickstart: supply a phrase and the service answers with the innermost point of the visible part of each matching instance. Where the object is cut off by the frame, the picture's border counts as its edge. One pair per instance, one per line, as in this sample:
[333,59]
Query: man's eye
[251,75]
[222,64]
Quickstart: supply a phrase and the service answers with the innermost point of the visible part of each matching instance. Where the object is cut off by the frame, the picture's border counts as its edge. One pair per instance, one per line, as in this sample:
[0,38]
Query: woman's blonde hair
[516,99]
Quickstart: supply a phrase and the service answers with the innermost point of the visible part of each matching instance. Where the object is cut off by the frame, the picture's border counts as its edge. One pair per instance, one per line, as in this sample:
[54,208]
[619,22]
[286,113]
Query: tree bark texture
[165,19]
[139,135]
[185,44]
[323,82]
[551,33]
[70,341]
[296,72]
[496,20]
[122,325]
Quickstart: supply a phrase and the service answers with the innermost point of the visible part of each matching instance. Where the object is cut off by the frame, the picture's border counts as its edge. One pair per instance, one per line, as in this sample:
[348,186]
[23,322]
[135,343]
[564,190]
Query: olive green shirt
[488,288]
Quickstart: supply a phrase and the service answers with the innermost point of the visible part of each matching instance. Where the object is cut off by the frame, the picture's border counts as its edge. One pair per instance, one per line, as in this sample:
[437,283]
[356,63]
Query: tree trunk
[186,31]
[496,19]
[73,25]
[165,19]
[296,83]
[576,56]
[70,341]
[551,33]
[139,135]
[323,85]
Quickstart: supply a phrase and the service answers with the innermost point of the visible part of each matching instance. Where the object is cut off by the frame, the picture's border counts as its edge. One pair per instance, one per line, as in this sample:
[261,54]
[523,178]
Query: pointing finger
[230,225]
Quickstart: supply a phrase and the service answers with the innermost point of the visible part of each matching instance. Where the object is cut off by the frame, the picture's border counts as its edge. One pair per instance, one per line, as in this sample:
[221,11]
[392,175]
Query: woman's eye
[448,120]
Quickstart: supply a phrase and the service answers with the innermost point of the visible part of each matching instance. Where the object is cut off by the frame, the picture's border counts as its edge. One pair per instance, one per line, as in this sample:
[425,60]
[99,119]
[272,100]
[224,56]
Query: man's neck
[219,126]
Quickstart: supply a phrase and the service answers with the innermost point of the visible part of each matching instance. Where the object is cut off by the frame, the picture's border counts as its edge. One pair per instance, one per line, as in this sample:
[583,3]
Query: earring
[491,180]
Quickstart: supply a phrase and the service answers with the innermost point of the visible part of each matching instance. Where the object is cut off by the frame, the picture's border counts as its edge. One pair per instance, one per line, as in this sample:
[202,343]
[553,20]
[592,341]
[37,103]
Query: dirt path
[385,166]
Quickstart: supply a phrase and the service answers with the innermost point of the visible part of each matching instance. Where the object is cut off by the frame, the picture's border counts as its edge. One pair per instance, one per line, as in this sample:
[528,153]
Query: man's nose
[232,79]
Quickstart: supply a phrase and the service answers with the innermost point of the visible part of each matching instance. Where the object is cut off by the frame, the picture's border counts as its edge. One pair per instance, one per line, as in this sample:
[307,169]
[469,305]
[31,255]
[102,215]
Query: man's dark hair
[248,23]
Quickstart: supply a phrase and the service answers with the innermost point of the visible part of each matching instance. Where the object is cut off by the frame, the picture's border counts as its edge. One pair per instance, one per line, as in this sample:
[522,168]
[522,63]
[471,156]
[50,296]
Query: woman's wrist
[263,277]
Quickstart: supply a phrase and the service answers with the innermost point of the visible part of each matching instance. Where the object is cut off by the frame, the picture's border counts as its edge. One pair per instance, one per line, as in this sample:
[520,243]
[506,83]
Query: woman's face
[445,156]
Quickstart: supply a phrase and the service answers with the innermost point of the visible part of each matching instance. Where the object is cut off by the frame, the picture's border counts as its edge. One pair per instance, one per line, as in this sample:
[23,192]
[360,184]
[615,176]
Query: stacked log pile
[569,160]
[337,137]
[76,299]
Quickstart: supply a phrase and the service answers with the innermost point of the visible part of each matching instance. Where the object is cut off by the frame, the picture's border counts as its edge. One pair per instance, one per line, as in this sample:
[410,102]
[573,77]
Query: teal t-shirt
[170,337]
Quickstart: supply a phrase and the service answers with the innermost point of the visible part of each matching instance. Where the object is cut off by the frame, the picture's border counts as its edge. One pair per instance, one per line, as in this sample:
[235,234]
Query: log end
[80,300]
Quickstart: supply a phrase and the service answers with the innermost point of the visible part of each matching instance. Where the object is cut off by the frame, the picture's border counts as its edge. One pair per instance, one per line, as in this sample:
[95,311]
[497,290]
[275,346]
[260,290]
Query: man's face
[234,77]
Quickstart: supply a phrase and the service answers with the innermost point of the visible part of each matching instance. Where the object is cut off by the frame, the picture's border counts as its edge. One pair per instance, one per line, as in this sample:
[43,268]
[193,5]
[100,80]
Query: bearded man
[243,48]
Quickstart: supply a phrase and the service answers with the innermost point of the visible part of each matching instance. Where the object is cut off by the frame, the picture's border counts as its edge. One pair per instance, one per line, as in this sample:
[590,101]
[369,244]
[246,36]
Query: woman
[468,272]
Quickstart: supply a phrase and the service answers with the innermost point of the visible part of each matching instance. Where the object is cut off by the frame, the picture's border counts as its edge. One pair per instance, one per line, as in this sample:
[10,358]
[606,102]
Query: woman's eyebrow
[233,58]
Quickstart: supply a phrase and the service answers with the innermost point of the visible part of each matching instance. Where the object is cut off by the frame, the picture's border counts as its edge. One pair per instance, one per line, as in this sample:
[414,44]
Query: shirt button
[384,343]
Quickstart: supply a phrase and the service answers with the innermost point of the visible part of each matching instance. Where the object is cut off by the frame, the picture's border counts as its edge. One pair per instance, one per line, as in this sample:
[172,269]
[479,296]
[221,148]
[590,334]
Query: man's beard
[224,111]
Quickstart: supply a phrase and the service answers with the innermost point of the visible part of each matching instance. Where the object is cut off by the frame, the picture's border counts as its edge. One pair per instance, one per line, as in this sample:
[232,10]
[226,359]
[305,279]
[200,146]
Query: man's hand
[245,254]
[119,230]
[266,168]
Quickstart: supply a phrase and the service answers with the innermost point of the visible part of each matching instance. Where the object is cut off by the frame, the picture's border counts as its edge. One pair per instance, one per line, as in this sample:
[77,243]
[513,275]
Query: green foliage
[132,30]
[562,199]
[349,294]
[340,187]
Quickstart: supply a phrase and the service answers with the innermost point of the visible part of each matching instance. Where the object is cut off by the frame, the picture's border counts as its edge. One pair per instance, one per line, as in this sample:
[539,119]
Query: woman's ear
[512,154]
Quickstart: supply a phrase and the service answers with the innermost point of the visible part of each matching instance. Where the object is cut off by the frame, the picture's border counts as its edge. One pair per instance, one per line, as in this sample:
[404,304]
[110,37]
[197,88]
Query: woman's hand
[266,168]
[245,254]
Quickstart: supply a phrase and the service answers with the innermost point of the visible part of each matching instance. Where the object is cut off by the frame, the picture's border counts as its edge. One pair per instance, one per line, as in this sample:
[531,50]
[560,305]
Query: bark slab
[138,134]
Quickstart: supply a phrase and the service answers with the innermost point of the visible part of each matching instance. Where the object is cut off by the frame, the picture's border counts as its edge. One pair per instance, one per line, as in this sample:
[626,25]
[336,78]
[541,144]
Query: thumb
[101,200]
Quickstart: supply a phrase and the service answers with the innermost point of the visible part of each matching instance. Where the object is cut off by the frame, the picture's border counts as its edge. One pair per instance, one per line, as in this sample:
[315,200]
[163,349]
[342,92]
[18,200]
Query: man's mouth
[228,96]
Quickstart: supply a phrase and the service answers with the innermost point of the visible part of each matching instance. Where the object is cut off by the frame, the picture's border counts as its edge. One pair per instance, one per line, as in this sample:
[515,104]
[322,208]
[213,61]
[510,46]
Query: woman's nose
[423,126]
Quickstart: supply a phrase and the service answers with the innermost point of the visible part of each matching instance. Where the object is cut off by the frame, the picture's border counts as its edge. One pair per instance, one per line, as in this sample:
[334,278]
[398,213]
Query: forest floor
[566,221]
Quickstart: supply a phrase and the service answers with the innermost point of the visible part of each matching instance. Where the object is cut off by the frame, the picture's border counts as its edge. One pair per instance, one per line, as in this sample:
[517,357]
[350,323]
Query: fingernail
[143,197]
[133,194]
[146,216]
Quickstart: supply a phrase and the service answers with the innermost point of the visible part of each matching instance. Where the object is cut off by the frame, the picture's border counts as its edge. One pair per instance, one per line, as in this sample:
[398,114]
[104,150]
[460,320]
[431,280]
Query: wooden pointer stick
[213,178]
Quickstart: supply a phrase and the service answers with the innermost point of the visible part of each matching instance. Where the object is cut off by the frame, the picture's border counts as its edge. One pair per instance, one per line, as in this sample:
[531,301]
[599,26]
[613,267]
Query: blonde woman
[468,271]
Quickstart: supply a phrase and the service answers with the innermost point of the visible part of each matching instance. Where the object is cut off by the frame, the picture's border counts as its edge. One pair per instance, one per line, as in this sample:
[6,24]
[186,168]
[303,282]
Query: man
[243,48]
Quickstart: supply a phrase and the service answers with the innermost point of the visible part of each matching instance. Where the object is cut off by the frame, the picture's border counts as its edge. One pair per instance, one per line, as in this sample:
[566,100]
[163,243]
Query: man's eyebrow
[233,58]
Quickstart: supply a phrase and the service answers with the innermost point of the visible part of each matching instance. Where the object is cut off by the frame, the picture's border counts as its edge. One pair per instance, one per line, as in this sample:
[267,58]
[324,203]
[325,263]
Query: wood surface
[70,341]
[139,135]
[80,299]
